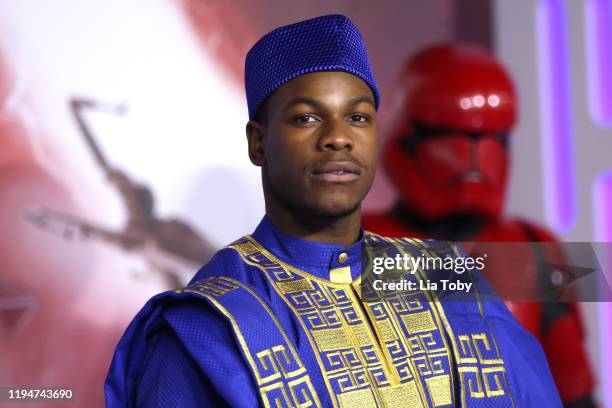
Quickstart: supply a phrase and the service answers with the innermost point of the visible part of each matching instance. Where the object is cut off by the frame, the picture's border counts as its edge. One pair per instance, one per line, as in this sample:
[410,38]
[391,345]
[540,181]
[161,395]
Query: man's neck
[343,230]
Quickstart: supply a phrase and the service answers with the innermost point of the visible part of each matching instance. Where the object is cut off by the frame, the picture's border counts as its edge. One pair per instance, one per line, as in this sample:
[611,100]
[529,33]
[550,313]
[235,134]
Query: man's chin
[334,211]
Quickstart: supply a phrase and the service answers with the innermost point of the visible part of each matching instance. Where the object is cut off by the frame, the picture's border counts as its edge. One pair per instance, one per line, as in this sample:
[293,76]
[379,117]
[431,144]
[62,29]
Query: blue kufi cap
[327,43]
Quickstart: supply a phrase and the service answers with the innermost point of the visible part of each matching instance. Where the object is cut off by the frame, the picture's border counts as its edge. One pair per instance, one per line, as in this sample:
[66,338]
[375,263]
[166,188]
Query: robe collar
[334,262]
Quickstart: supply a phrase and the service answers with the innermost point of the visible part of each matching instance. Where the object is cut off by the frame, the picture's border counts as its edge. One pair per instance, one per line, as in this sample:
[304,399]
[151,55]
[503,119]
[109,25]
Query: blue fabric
[327,43]
[313,257]
[181,351]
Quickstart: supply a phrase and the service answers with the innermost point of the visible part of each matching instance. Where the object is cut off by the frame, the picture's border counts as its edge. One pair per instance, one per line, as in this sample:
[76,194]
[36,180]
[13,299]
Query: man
[277,317]
[448,155]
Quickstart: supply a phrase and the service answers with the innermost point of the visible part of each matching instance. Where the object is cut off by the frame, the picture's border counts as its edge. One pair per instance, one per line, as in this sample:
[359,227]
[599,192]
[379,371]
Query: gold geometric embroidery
[351,316]
[300,394]
[295,285]
[357,399]
[418,322]
[361,333]
[278,360]
[464,345]
[439,390]
[475,389]
[485,342]
[274,363]
[428,365]
[331,339]
[466,356]
[215,286]
[480,343]
[346,370]
[341,275]
[402,395]
[492,377]
[336,327]
[412,358]
[426,343]
[490,372]
[385,327]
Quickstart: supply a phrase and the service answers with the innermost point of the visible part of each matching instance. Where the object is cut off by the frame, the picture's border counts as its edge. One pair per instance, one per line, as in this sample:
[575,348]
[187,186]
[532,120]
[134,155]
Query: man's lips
[337,171]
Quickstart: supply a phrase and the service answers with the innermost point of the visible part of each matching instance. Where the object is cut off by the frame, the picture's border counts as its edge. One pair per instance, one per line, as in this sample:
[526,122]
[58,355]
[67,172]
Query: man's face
[319,144]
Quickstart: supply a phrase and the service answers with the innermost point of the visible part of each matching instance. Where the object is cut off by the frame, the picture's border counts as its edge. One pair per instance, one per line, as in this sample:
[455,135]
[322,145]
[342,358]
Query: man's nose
[336,136]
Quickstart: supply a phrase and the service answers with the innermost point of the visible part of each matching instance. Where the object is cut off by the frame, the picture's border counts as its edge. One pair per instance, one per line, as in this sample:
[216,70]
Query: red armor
[447,156]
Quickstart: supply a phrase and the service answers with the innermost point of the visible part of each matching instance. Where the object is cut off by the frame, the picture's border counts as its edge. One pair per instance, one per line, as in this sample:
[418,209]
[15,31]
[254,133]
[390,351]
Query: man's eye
[357,117]
[305,119]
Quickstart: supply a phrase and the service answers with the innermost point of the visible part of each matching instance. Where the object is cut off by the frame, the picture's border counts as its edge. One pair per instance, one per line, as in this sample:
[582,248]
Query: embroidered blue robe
[277,321]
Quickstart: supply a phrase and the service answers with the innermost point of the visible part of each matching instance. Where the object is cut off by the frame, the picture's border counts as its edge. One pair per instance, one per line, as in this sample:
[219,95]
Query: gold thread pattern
[390,352]
[280,374]
[411,347]
[440,390]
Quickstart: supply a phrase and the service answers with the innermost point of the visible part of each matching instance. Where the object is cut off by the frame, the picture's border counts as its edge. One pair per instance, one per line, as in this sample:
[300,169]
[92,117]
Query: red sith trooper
[447,156]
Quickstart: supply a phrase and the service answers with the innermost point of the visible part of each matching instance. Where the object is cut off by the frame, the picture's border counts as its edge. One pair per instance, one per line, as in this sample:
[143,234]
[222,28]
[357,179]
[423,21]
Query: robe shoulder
[225,263]
[177,341]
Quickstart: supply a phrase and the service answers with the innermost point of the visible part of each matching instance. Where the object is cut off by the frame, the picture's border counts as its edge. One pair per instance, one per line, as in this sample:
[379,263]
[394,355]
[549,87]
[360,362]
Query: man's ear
[254,134]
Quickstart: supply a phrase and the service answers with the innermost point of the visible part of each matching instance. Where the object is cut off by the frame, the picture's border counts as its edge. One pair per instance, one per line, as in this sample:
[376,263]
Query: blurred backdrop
[123,161]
